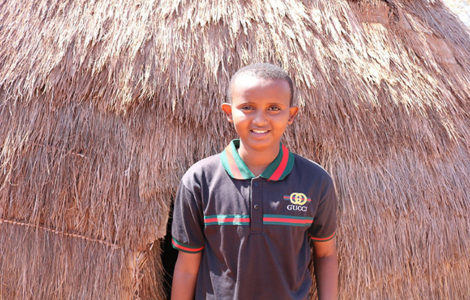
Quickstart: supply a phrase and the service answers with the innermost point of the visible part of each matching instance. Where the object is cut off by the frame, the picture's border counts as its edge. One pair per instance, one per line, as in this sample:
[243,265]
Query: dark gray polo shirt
[254,231]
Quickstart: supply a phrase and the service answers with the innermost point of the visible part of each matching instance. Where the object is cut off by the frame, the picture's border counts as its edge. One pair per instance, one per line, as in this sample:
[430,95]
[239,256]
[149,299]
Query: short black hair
[265,71]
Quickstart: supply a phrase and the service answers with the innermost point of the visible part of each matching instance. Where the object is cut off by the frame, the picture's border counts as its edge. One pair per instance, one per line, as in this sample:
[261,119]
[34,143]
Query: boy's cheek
[238,114]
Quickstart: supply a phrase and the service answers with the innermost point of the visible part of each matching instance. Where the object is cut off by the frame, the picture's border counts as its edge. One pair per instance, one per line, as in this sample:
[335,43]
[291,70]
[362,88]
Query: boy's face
[260,111]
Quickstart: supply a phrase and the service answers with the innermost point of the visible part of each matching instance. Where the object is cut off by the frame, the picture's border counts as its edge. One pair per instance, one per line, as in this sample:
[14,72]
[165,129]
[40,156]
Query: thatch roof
[461,8]
[103,105]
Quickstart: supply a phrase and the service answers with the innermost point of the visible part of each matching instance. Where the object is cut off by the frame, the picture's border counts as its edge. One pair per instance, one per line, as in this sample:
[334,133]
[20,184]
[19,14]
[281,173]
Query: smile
[259,131]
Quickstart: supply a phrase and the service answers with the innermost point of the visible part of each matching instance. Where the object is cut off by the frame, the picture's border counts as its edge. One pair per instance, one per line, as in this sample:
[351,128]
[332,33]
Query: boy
[243,218]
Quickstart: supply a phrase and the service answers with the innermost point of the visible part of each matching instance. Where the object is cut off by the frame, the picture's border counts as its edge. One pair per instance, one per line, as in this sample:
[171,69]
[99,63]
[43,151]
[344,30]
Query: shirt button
[256,206]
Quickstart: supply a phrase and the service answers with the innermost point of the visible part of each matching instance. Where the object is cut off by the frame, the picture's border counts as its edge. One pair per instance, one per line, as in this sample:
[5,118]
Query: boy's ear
[227,108]
[293,110]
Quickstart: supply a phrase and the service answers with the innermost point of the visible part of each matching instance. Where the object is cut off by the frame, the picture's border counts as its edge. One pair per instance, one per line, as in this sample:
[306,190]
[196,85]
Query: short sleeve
[186,228]
[324,223]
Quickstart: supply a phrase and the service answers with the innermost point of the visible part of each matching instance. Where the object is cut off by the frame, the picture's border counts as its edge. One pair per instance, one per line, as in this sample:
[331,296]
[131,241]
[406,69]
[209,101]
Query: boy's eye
[274,108]
[246,107]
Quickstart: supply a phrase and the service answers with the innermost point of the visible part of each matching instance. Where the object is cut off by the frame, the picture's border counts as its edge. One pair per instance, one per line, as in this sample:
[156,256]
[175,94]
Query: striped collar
[237,169]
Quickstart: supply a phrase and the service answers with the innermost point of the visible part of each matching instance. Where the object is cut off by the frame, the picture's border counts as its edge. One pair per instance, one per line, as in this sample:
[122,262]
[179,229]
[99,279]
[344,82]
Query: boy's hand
[185,275]
[326,269]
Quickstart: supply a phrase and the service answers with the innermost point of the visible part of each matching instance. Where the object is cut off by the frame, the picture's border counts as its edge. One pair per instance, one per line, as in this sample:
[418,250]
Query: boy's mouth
[259,131]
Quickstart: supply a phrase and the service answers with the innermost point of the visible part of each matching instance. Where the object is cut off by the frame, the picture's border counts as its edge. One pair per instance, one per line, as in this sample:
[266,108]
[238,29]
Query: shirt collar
[277,170]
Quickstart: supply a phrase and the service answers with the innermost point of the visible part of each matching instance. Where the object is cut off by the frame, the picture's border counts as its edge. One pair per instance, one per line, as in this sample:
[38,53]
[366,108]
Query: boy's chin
[260,146]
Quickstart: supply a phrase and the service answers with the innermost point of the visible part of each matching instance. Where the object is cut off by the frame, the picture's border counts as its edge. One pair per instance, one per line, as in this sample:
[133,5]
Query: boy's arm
[326,269]
[185,275]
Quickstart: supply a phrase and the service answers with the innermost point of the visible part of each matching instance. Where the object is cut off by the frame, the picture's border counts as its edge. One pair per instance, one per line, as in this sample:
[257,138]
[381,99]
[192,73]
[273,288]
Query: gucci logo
[296,207]
[298,198]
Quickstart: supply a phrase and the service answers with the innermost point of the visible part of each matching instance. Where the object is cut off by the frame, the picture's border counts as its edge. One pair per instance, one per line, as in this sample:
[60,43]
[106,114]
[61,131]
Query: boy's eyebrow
[267,105]
[254,102]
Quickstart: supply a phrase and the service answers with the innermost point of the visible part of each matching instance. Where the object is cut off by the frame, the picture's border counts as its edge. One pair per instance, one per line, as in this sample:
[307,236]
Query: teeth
[259,131]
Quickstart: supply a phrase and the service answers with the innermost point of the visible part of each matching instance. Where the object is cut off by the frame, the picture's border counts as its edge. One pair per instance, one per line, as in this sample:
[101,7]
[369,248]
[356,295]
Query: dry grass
[461,8]
[104,105]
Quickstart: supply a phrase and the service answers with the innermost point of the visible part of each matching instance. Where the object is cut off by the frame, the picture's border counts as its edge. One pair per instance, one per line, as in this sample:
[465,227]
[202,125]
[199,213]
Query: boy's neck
[257,161]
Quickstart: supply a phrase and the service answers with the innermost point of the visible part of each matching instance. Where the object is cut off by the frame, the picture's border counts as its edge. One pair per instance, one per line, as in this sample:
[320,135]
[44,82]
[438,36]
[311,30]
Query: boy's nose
[260,118]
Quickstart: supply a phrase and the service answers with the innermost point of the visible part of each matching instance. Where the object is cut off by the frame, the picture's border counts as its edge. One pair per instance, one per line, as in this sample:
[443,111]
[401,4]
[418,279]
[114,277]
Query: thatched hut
[104,104]
[461,8]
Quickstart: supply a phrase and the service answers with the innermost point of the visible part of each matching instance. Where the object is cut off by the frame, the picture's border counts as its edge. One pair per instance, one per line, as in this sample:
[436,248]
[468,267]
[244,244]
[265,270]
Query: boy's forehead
[248,83]
[250,80]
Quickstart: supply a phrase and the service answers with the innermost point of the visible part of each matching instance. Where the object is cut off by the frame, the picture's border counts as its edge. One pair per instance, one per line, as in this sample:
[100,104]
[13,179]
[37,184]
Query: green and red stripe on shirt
[185,248]
[227,220]
[279,168]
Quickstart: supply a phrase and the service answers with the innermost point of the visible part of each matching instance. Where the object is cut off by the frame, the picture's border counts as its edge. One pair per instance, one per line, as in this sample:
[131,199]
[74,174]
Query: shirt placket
[256,197]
